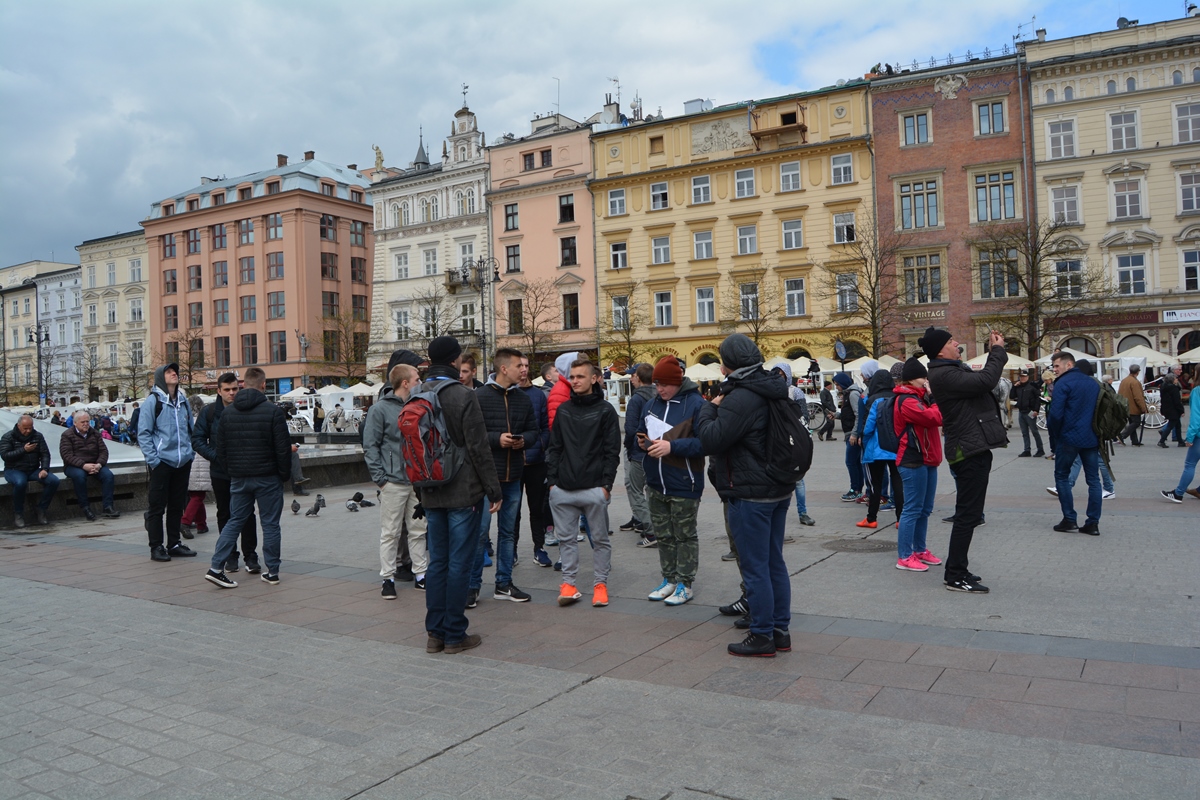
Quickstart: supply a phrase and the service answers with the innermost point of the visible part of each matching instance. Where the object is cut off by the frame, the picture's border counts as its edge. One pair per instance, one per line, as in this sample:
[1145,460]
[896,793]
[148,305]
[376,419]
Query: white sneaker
[1052,490]
[681,596]
[1108,495]
[662,592]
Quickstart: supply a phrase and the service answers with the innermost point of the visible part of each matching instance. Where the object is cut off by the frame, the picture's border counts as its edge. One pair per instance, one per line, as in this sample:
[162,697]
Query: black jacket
[252,439]
[464,422]
[1171,400]
[12,450]
[970,414]
[204,437]
[585,444]
[507,411]
[1026,397]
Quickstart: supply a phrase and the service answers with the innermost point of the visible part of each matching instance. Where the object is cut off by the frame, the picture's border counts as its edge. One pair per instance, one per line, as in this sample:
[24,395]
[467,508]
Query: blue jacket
[687,479]
[635,415]
[1070,417]
[871,449]
[1194,416]
[165,437]
[536,452]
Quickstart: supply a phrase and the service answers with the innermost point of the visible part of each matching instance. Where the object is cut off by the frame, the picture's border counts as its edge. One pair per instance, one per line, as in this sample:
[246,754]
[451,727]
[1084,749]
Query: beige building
[116,340]
[1116,132]
[38,297]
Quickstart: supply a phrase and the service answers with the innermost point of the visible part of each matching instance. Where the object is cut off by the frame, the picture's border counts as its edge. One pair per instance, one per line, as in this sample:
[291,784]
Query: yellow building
[734,218]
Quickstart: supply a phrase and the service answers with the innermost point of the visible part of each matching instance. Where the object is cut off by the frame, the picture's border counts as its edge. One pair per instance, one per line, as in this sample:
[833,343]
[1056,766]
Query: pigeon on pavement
[295,506]
[312,512]
[320,501]
[351,505]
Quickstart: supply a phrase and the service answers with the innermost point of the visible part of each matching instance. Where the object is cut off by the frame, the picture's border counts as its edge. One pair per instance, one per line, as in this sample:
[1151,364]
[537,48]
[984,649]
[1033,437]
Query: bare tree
[433,313]
[752,304]
[344,344]
[52,366]
[191,356]
[91,370]
[532,316]
[622,330]
[1038,278]
[133,374]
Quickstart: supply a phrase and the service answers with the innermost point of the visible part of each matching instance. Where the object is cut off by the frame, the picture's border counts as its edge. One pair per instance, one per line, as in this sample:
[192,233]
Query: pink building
[542,236]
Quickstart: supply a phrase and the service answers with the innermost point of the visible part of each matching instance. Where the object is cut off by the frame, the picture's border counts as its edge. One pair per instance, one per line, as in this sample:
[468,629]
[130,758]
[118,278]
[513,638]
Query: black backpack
[789,443]
[885,424]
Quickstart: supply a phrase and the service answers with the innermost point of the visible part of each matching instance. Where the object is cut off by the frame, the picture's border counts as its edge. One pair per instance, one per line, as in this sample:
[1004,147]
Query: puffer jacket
[925,420]
[536,453]
[1172,400]
[970,414]
[1026,397]
[204,438]
[12,450]
[585,445]
[881,391]
[75,449]
[561,392]
[635,413]
[165,427]
[680,474]
[381,441]
[464,421]
[1193,429]
[507,411]
[200,478]
[1070,416]
[253,440]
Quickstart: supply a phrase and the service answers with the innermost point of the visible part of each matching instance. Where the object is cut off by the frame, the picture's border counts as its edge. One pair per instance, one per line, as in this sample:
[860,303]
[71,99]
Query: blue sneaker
[542,558]
[665,590]
[682,595]
[487,560]
[888,506]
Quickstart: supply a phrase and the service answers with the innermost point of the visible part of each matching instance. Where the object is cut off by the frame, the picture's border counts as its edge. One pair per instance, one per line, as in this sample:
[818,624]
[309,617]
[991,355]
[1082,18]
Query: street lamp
[38,336]
[479,274]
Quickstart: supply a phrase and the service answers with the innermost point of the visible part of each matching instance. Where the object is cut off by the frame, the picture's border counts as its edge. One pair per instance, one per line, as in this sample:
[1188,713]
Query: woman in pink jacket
[918,457]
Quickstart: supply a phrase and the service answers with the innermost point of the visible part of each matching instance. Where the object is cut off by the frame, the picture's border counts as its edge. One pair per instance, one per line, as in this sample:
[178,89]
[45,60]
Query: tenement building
[114,361]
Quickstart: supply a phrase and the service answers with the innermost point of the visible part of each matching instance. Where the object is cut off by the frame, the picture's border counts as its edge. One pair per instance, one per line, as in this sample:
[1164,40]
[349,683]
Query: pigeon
[351,505]
[358,497]
[312,512]
[295,506]
[320,501]
[366,504]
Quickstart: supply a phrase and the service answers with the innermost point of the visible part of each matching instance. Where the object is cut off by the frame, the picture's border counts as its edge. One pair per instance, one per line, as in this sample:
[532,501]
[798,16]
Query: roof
[138,233]
[314,168]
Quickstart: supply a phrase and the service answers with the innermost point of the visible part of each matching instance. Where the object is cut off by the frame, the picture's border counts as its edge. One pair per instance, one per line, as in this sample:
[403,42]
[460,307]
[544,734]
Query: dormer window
[168,209]
[193,205]
[273,187]
[245,193]
[327,189]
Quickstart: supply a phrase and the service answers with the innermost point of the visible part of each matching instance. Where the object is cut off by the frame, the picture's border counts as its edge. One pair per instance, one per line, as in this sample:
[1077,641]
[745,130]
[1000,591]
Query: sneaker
[1107,495]
[742,623]
[888,506]
[568,594]
[755,644]
[472,598]
[1026,454]
[1090,528]
[389,590]
[219,579]
[633,523]
[88,514]
[949,519]
[542,558]
[471,640]
[253,567]
[737,608]
[1163,445]
[647,541]
[1194,493]
[783,641]
[866,523]
[158,553]
[419,584]
[640,529]
[1052,490]
[404,573]
[202,529]
[599,595]
[730,556]
[681,595]
[487,560]
[848,497]
[510,592]
[1170,495]
[805,519]
[187,531]
[1040,454]
[1066,526]
[579,537]
[912,564]
[558,566]
[551,539]
[789,539]
[270,578]
[110,513]
[231,565]
[664,590]
[927,558]
[181,551]
[863,498]
[967,585]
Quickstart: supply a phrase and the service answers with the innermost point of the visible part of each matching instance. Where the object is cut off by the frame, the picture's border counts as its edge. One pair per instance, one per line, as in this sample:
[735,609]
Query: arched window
[1130,84]
[1049,95]
[1133,340]
[1196,75]
[1189,341]
[424,210]
[853,350]
[462,153]
[709,358]
[470,201]
[1081,344]
[1112,87]
[459,208]
[1176,78]
[405,217]
[433,209]
[395,209]
[1068,93]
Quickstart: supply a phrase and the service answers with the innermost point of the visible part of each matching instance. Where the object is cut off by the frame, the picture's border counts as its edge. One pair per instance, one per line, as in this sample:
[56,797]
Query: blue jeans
[453,538]
[1106,479]
[79,478]
[1065,455]
[243,492]
[19,479]
[506,536]
[801,499]
[758,531]
[920,487]
[854,466]
[1189,465]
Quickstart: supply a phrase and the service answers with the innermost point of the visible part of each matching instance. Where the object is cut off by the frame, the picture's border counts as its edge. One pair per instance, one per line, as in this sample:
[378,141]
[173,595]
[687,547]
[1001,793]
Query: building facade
[32,293]
[61,320]
[430,221]
[1116,132]
[268,270]
[114,360]
[542,229]
[736,218]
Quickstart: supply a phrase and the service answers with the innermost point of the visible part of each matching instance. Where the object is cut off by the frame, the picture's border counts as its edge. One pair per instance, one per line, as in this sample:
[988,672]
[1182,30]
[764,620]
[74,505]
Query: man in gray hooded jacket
[165,437]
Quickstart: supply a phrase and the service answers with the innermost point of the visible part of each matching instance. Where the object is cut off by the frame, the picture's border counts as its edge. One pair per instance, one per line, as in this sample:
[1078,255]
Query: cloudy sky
[109,106]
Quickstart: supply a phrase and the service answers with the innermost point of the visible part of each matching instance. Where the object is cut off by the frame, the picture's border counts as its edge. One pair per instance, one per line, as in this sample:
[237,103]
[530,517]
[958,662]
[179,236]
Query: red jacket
[560,394]
[925,421]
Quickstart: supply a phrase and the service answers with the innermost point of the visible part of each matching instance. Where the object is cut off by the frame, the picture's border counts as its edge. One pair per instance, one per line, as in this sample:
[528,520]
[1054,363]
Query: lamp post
[39,337]
[480,274]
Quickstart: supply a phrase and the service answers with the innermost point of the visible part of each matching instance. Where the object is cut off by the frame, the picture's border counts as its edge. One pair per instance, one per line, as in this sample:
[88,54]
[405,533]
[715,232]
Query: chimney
[309,155]
[352,166]
[280,160]
[1041,34]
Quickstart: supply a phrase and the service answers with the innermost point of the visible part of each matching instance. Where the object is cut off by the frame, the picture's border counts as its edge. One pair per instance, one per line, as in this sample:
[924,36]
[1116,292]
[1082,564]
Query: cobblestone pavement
[1079,676]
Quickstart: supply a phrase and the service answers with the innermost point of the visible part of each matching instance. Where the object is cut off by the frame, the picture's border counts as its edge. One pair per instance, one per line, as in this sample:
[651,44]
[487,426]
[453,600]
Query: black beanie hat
[913,369]
[443,350]
[933,341]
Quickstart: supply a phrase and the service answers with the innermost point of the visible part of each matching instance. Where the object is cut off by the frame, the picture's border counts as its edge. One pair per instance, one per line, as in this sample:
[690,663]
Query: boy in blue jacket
[1070,423]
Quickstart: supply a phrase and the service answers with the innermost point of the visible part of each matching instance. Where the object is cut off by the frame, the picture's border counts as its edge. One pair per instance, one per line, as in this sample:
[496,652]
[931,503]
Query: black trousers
[875,471]
[168,493]
[827,428]
[1133,431]
[249,530]
[533,479]
[971,482]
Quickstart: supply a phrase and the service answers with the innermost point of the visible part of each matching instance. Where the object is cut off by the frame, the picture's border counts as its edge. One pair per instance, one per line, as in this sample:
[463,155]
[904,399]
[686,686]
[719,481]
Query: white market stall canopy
[1153,357]
[1190,357]
[295,394]
[704,372]
[363,390]
[1014,362]
[1045,360]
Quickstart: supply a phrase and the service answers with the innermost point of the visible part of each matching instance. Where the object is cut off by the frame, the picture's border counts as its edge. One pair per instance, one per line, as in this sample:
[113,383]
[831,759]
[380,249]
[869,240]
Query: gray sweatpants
[635,489]
[566,507]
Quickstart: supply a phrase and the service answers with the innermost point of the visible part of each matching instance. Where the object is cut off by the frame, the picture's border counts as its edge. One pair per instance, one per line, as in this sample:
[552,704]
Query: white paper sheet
[655,427]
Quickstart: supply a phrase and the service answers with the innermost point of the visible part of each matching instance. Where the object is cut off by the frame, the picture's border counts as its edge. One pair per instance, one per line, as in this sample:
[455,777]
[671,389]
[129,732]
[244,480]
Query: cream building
[1116,131]
[38,297]
[115,314]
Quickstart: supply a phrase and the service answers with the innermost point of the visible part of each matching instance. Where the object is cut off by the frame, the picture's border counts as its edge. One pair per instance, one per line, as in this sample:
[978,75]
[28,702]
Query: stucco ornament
[949,85]
[714,137]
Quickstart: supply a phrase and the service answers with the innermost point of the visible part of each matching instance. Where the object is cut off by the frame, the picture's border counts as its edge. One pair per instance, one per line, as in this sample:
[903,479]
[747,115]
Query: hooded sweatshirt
[381,440]
[680,474]
[880,392]
[165,427]
[562,388]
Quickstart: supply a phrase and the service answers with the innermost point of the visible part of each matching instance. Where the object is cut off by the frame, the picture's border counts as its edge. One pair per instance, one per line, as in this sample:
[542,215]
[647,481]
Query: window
[1124,130]
[1130,84]
[748,293]
[245,231]
[433,209]
[527,161]
[991,118]
[275,305]
[1062,139]
[168,245]
[329,266]
[1049,95]
[466,253]
[511,219]
[546,158]
[110,313]
[789,177]
[358,306]
[220,273]
[706,305]
[658,196]
[170,281]
[195,315]
[923,279]
[245,193]
[1189,191]
[747,239]
[701,190]
[662,310]
[274,226]
[329,304]
[566,208]
[702,244]
[1187,123]
[194,278]
[246,269]
[403,331]
[112,355]
[620,312]
[843,228]
[112,280]
[327,189]
[568,251]
[1111,87]
[1131,274]
[250,348]
[793,234]
[401,266]
[466,317]
[516,316]
[793,294]
[218,237]
[171,318]
[278,342]
[137,354]
[358,233]
[405,216]
[1128,197]
[168,209]
[273,187]
[918,205]
[249,307]
[1068,93]
[1069,275]
[998,274]
[995,197]
[329,228]
[358,270]
[221,351]
[512,258]
[91,280]
[916,129]
[431,262]
[656,146]
[847,292]
[744,182]
[459,203]
[220,312]
[843,169]
[274,266]
[570,312]
[616,202]
[660,250]
[618,255]
[135,309]
[429,320]
[218,199]
[1191,270]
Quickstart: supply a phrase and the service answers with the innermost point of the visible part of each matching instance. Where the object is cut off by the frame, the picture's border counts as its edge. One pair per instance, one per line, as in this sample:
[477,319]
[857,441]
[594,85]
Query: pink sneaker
[927,558]
[911,564]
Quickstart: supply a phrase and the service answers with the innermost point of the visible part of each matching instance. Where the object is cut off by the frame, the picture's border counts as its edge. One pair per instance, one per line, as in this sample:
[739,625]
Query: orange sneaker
[568,594]
[866,523]
[600,595]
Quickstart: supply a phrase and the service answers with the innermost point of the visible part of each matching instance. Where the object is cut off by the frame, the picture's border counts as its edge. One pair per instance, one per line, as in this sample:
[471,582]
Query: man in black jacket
[27,458]
[972,429]
[733,430]
[1172,408]
[829,410]
[204,442]
[254,446]
[1025,396]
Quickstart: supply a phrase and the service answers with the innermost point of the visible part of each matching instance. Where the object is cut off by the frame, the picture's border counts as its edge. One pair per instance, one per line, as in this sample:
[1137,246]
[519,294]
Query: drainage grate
[859,546]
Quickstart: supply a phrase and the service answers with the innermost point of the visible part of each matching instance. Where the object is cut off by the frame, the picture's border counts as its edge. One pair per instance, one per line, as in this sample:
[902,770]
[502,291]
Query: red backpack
[431,457]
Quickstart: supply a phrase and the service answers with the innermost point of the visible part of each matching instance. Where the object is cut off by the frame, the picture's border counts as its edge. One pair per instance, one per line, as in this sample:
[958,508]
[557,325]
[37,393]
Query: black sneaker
[419,584]
[742,623]
[628,526]
[783,641]
[156,553]
[1066,526]
[1170,495]
[253,567]
[510,592]
[389,590]
[1026,454]
[219,579]
[110,513]
[231,565]
[187,531]
[472,598]
[948,519]
[755,644]
[89,514]
[737,608]
[404,573]
[1091,529]
[640,529]
[182,551]
[269,578]
[966,585]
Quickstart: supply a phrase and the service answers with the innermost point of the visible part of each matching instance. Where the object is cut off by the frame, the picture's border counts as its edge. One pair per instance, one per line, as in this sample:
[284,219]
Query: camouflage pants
[674,521]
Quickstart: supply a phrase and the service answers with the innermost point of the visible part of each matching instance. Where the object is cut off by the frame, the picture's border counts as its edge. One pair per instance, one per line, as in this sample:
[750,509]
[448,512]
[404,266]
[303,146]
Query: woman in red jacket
[918,457]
